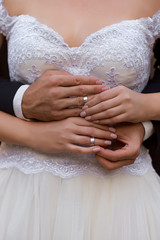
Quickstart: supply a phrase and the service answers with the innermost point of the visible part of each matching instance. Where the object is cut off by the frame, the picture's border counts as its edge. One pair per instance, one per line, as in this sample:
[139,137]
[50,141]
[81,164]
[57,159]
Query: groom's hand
[125,149]
[57,95]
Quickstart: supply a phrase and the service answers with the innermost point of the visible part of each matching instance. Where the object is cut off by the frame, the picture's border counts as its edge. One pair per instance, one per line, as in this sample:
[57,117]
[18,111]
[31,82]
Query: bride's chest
[117,54]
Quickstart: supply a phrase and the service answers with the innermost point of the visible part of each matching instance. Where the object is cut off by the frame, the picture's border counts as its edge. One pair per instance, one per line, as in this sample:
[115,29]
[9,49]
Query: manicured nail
[85,107]
[104,88]
[83,114]
[96,149]
[107,142]
[99,82]
[113,135]
[88,118]
[112,129]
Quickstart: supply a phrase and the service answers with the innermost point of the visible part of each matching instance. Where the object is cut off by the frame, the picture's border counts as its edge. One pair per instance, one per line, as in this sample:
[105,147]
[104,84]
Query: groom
[8,91]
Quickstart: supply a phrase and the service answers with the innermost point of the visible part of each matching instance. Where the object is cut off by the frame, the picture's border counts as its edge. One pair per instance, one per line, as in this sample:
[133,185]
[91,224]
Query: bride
[65,193]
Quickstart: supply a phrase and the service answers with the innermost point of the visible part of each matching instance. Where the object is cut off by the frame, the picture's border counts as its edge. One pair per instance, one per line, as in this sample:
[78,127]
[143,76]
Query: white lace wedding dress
[70,196]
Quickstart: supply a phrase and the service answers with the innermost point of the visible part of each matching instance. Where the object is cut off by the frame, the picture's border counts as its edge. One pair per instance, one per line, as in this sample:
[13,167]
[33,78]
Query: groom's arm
[7,89]
[7,93]
[153,143]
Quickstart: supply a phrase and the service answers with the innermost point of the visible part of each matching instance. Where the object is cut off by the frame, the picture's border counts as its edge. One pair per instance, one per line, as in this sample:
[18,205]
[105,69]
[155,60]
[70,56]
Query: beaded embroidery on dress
[119,54]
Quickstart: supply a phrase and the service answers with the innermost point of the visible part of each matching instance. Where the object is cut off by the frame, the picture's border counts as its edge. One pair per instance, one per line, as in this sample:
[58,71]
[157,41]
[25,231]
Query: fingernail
[97,121]
[96,149]
[108,142]
[104,88]
[85,107]
[83,114]
[88,118]
[112,129]
[99,82]
[113,135]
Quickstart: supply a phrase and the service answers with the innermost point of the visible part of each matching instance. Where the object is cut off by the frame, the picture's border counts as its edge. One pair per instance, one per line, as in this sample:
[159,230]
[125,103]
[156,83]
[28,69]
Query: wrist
[153,106]
[141,130]
[26,104]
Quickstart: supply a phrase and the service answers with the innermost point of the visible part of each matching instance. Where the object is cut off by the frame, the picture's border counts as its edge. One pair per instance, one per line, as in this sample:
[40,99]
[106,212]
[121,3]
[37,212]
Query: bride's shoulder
[15,7]
[155,7]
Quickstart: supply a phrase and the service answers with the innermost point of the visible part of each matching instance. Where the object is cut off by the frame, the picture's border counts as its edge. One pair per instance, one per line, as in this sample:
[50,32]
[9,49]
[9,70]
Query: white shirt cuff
[149,129]
[17,102]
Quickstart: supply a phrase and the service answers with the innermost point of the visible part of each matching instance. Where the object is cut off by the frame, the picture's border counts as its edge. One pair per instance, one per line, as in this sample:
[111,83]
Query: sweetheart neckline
[64,43]
[90,36]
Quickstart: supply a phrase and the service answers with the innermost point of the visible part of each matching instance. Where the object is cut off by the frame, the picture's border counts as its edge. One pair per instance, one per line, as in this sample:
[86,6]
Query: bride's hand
[125,148]
[116,105]
[68,135]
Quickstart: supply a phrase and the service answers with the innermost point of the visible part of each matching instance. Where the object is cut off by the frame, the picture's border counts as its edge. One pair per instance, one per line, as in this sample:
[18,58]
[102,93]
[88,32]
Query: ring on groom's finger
[85,99]
[92,140]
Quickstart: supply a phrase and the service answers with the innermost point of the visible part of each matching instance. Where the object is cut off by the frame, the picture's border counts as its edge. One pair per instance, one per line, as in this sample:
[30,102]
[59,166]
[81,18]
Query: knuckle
[127,97]
[48,73]
[103,105]
[109,166]
[53,80]
[112,121]
[109,113]
[82,90]
[121,88]
[101,96]
[53,113]
[54,93]
[57,115]
[85,140]
[78,150]
[79,101]
[77,81]
[96,89]
[90,131]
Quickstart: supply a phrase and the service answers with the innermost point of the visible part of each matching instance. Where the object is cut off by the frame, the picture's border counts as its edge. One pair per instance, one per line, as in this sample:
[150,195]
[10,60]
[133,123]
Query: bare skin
[72,25]
[66,17]
[57,95]
[125,148]
[121,104]
[56,136]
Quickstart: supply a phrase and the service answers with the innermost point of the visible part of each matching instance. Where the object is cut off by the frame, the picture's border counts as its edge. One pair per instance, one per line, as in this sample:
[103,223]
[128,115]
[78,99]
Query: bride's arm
[57,136]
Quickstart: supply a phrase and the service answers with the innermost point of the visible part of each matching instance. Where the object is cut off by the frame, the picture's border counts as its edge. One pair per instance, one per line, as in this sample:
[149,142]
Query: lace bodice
[119,54]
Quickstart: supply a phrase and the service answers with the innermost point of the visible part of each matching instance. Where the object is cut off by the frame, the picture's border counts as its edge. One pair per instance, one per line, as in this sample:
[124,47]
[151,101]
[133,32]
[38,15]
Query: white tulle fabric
[70,196]
[45,207]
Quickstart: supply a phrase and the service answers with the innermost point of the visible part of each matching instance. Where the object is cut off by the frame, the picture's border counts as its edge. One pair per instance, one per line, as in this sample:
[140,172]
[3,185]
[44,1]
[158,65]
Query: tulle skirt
[45,207]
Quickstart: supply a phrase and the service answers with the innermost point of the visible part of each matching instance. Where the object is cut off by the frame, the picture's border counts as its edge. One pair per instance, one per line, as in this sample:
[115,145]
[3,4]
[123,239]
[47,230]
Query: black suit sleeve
[7,88]
[153,143]
[7,92]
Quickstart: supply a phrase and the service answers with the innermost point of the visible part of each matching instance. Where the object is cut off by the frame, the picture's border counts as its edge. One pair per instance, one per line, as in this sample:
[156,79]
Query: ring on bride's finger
[85,99]
[92,140]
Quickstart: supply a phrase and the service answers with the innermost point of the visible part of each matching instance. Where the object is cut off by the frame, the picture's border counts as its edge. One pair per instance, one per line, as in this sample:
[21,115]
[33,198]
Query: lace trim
[82,60]
[5,20]
[65,165]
